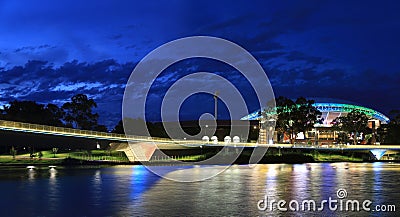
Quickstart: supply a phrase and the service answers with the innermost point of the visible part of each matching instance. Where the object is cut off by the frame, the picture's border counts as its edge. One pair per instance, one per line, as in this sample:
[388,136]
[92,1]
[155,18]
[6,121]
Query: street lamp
[216,94]
[270,133]
[291,129]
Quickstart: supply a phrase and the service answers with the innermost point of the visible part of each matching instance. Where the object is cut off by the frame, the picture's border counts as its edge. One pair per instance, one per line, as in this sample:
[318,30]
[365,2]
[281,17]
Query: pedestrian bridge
[145,145]
[70,132]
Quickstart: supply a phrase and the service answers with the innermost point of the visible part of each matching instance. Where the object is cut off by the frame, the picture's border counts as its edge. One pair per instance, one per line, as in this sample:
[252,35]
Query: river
[238,191]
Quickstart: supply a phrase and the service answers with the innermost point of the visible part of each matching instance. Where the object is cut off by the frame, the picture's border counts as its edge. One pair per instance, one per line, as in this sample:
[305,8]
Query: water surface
[134,191]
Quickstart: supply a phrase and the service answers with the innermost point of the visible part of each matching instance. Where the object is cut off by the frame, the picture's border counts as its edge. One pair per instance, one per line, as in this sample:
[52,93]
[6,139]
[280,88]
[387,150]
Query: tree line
[355,123]
[77,113]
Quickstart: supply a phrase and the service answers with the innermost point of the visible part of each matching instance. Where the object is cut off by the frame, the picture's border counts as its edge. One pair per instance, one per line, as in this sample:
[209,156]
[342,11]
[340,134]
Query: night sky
[52,50]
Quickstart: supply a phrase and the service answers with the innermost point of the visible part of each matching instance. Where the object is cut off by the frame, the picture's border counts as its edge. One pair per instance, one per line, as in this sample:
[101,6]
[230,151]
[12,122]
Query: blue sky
[51,50]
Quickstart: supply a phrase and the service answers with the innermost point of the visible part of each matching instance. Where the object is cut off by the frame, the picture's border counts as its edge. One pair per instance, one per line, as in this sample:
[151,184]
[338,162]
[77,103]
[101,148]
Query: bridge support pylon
[378,153]
[135,152]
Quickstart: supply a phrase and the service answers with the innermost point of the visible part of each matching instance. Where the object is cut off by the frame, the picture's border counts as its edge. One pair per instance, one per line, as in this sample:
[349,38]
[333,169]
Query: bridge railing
[38,128]
[44,129]
[19,126]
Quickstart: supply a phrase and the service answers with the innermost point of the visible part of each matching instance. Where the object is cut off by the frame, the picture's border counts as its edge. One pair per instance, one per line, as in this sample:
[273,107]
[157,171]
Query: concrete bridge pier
[378,153]
[139,151]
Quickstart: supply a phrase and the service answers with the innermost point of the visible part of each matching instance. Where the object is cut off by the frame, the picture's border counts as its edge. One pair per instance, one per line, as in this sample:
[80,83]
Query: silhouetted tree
[101,128]
[55,115]
[391,131]
[119,128]
[294,117]
[354,123]
[269,117]
[54,150]
[343,138]
[283,115]
[79,114]
[40,155]
[13,152]
[157,129]
[134,126]
[32,112]
[138,127]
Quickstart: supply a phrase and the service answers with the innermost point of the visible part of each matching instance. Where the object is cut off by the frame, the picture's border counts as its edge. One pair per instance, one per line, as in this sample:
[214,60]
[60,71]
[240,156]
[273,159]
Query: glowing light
[378,153]
[333,107]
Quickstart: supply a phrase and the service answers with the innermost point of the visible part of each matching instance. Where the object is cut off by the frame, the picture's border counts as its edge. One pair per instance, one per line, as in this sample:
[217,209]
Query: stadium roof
[327,107]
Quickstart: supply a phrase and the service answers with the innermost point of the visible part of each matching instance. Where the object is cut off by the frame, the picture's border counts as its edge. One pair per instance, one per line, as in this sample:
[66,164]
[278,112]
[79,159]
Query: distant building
[330,110]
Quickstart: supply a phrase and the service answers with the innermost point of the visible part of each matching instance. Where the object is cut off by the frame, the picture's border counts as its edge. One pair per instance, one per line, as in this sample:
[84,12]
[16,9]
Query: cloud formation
[335,49]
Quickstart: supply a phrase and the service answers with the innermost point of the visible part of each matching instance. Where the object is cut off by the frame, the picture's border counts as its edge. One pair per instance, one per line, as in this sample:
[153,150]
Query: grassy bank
[80,157]
[72,157]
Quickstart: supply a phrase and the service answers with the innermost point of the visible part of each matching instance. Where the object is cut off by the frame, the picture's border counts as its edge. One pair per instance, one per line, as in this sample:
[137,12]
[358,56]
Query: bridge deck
[62,131]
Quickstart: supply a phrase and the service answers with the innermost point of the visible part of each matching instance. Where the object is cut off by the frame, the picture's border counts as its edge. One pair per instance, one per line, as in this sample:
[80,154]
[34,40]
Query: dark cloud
[335,49]
[32,48]
[224,24]
[300,56]
[116,37]
[44,83]
[105,82]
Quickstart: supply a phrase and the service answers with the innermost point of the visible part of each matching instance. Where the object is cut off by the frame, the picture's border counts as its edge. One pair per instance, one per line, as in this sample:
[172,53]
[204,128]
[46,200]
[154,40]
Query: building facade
[322,132]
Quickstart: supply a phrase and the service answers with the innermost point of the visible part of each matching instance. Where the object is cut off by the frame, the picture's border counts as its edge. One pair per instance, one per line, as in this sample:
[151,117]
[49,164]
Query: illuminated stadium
[330,111]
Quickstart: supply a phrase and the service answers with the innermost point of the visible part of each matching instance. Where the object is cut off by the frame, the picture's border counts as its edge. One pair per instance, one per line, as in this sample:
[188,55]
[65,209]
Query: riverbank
[103,157]
[271,159]
[82,157]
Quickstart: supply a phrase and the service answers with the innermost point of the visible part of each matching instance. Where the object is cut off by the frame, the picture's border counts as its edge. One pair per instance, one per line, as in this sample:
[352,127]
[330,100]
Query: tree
[89,153]
[294,117]
[55,115]
[119,128]
[268,121]
[156,129]
[343,138]
[32,112]
[354,123]
[382,133]
[24,111]
[283,114]
[54,150]
[133,126]
[78,112]
[13,152]
[40,155]
[138,127]
[391,132]
[101,128]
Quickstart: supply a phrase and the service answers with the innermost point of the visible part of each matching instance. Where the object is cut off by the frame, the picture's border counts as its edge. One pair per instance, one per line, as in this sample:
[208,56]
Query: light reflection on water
[133,190]
[53,187]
